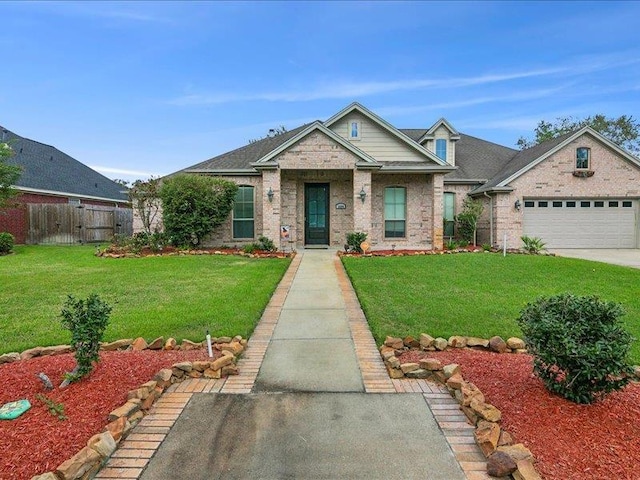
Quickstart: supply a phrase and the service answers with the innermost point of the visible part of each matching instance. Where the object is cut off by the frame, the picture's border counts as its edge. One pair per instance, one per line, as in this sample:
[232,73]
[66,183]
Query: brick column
[271,209]
[362,210]
[437,225]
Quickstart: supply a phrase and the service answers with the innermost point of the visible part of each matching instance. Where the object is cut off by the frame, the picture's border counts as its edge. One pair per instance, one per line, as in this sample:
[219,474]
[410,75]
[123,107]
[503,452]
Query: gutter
[55,193]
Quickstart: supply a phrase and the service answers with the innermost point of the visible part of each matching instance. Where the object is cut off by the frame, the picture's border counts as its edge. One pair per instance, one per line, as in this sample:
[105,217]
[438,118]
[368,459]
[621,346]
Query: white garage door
[582,223]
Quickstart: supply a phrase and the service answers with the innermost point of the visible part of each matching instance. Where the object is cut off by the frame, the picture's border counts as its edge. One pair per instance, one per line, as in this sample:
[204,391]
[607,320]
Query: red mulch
[569,441]
[169,250]
[37,441]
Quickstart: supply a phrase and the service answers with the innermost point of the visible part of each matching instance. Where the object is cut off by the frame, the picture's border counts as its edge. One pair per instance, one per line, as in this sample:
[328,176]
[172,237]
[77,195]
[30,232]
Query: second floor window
[441,149]
[583,157]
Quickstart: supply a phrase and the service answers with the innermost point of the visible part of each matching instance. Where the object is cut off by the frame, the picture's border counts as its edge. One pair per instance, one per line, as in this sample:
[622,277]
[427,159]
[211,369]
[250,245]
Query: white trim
[358,135]
[455,135]
[66,194]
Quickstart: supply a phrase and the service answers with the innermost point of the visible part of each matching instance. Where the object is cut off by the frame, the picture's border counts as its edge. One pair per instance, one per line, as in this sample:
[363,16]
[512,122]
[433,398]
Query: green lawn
[479,294]
[179,296]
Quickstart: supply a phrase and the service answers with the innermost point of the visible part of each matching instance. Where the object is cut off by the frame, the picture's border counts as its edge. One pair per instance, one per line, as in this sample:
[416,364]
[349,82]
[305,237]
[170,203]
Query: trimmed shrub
[532,244]
[354,239]
[266,244]
[578,344]
[7,242]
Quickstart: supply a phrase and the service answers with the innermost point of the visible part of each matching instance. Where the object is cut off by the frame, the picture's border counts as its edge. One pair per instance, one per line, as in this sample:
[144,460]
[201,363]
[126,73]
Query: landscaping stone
[223,340]
[56,350]
[525,471]
[426,341]
[125,410]
[419,373]
[103,443]
[157,344]
[395,372]
[140,393]
[470,393]
[430,364]
[394,362]
[410,342]
[200,366]
[170,344]
[517,452]
[440,343]
[230,370]
[9,357]
[233,347]
[477,342]
[516,343]
[117,345]
[455,381]
[189,345]
[387,352]
[450,370]
[163,377]
[486,411]
[394,342]
[46,476]
[505,439]
[117,428]
[31,353]
[457,341]
[210,373]
[139,344]
[80,464]
[409,367]
[184,366]
[500,464]
[194,374]
[487,435]
[221,362]
[468,411]
[636,371]
[497,344]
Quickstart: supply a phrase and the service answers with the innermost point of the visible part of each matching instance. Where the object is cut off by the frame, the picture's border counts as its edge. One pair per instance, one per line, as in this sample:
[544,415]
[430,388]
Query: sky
[140,89]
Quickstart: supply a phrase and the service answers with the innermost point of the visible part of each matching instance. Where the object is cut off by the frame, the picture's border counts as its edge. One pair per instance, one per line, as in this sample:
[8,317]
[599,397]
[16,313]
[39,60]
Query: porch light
[363,194]
[517,205]
[270,194]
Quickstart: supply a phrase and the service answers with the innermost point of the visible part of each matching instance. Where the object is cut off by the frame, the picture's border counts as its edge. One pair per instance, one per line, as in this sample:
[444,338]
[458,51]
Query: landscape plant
[354,239]
[579,346]
[532,244]
[87,320]
[7,242]
[266,244]
[9,175]
[467,220]
[145,201]
[193,205]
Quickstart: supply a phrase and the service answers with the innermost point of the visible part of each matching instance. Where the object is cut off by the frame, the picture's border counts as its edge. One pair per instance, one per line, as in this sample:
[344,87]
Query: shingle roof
[46,168]
[479,159]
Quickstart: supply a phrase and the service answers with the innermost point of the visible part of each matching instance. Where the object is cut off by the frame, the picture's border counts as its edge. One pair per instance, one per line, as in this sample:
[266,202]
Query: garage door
[582,223]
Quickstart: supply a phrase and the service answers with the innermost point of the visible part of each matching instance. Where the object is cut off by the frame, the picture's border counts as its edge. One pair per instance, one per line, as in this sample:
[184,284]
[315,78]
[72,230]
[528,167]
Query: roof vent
[51,158]
[96,185]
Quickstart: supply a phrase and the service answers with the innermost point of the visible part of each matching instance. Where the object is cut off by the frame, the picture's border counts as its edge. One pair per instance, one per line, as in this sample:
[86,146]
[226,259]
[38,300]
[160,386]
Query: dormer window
[583,158]
[354,131]
[441,149]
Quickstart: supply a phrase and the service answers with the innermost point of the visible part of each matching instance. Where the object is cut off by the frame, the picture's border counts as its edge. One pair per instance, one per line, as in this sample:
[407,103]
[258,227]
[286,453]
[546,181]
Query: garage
[582,223]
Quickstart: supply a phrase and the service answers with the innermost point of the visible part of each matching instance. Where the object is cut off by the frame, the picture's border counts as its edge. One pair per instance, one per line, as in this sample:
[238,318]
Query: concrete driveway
[627,257]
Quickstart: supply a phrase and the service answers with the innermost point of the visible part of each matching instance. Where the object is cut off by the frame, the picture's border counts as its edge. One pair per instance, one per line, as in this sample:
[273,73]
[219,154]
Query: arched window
[395,212]
[583,158]
[243,213]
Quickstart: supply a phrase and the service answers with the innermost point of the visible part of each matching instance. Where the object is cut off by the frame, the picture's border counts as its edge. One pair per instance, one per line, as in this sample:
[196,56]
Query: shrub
[467,220]
[266,244]
[486,247]
[87,321]
[250,248]
[354,239]
[578,345]
[193,205]
[6,243]
[451,245]
[532,244]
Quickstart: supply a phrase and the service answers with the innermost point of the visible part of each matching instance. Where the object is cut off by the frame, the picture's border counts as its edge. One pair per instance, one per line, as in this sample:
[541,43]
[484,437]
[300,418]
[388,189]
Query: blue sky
[138,88]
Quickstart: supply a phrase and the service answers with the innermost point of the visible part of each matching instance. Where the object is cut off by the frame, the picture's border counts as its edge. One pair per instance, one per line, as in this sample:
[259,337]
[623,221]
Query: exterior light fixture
[270,194]
[517,205]
[363,194]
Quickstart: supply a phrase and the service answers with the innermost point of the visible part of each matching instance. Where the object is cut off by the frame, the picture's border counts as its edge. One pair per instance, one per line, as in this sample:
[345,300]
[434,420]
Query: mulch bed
[569,441]
[37,441]
[113,251]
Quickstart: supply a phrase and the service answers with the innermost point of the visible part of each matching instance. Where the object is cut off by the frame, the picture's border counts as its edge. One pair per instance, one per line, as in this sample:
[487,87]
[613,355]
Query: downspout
[490,217]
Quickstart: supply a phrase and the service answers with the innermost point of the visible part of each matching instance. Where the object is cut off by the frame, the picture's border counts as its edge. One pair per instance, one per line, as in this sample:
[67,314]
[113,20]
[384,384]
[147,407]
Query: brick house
[403,187]
[50,177]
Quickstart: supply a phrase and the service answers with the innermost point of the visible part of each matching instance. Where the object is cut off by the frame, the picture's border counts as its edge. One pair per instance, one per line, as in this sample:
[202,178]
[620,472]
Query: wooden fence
[64,224]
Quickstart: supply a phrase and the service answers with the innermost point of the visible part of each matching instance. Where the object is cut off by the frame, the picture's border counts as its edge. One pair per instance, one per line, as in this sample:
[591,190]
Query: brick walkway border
[134,453]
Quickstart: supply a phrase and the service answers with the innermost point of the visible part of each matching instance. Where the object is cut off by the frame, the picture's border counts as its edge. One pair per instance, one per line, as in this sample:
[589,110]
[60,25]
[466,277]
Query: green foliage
[155,241]
[266,244]
[250,248]
[467,219]
[145,200]
[623,131]
[9,175]
[87,321]
[451,245]
[273,132]
[193,205]
[532,244]
[354,239]
[55,409]
[578,344]
[486,247]
[6,243]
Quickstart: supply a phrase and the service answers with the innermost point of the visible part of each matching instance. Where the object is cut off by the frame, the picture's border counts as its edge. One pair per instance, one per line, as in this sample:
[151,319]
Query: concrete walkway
[302,405]
[627,257]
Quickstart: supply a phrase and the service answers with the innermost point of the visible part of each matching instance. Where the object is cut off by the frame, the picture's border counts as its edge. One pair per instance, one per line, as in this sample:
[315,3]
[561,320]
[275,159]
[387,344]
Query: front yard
[479,294]
[178,296]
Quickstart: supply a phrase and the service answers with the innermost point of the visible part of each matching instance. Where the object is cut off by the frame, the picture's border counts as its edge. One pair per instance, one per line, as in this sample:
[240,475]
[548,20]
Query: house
[403,187]
[89,205]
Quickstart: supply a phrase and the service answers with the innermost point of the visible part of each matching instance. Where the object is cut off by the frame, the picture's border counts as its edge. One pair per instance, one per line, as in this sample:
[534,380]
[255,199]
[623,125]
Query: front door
[316,214]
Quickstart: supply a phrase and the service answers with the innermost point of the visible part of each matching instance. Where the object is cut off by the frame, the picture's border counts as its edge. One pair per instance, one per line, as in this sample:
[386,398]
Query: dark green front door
[316,214]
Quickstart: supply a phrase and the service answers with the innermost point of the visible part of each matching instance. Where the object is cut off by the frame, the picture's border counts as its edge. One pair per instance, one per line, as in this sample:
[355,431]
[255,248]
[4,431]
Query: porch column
[271,208]
[362,210]
[438,227]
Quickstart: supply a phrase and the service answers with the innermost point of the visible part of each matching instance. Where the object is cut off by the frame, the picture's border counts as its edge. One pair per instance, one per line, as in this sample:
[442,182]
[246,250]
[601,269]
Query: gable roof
[429,134]
[45,169]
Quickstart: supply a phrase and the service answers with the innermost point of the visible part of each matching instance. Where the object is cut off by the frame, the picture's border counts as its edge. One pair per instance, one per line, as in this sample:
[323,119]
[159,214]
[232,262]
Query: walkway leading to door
[301,406]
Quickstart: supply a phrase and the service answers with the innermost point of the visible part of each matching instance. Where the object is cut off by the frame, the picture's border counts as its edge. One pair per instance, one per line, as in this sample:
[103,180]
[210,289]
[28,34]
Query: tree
[467,220]
[9,175]
[193,205]
[623,131]
[145,201]
[273,132]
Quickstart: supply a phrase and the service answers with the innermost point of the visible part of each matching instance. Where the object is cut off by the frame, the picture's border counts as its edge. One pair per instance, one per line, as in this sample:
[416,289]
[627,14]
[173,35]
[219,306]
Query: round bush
[6,243]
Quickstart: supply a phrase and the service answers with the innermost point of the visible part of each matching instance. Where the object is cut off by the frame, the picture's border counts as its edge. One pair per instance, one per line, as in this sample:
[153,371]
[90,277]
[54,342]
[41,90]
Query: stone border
[503,456]
[413,253]
[240,253]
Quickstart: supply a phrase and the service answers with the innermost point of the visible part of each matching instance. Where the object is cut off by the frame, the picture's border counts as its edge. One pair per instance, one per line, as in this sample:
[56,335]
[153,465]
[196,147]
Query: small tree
[578,344]
[9,175]
[467,220]
[145,200]
[193,205]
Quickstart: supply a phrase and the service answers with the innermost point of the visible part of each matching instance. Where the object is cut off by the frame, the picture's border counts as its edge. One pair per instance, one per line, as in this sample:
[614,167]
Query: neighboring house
[403,187]
[50,177]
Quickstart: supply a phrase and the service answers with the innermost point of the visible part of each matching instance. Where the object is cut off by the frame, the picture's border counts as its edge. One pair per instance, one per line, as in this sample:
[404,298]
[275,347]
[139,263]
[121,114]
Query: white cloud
[124,172]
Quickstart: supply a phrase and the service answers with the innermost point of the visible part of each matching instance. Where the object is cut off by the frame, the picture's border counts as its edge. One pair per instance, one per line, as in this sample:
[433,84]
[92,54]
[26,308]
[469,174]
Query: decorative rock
[419,373]
[516,343]
[200,366]
[457,341]
[395,372]
[468,411]
[157,344]
[139,344]
[184,366]
[394,342]
[477,342]
[470,393]
[521,350]
[148,402]
[440,343]
[486,411]
[230,370]
[426,341]
[31,353]
[497,344]
[125,410]
[450,370]
[233,347]
[500,464]
[221,362]
[46,476]
[176,373]
[117,345]
[9,357]
[117,428]
[170,344]
[525,471]
[455,381]
[163,377]
[209,373]
[505,439]
[237,338]
[430,364]
[244,342]
[189,345]
[487,435]
[636,370]
[517,452]
[224,340]
[140,393]
[103,443]
[410,342]
[55,350]
[393,362]
[78,465]
[409,367]
[45,381]
[194,374]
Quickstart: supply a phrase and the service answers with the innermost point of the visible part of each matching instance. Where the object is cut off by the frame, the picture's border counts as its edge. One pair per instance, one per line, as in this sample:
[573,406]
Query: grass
[178,296]
[480,294]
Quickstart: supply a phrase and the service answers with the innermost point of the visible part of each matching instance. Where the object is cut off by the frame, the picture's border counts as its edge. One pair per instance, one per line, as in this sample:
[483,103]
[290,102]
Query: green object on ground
[12,410]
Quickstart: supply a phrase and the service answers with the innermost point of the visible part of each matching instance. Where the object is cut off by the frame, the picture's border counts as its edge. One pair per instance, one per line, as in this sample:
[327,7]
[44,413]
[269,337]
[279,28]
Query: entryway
[316,214]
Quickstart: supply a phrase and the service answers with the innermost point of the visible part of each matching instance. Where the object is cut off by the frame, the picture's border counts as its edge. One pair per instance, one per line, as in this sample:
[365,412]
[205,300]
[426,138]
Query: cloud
[125,172]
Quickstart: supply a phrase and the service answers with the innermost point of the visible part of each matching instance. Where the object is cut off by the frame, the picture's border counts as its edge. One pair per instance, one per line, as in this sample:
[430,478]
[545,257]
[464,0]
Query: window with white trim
[243,213]
[354,130]
[441,149]
[449,213]
[395,211]
[583,158]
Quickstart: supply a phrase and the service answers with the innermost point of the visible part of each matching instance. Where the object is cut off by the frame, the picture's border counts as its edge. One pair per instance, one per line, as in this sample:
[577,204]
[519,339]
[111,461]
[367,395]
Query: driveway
[627,257]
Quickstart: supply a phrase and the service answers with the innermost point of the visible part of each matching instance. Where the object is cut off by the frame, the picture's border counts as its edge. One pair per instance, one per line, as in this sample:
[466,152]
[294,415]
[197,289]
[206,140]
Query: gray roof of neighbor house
[45,168]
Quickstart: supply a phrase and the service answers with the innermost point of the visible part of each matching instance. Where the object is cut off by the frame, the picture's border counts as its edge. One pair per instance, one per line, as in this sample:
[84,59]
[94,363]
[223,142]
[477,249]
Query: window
[441,149]
[571,204]
[626,204]
[529,203]
[557,204]
[395,212]
[613,204]
[449,213]
[598,204]
[585,204]
[243,213]
[354,130]
[543,204]
[583,155]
